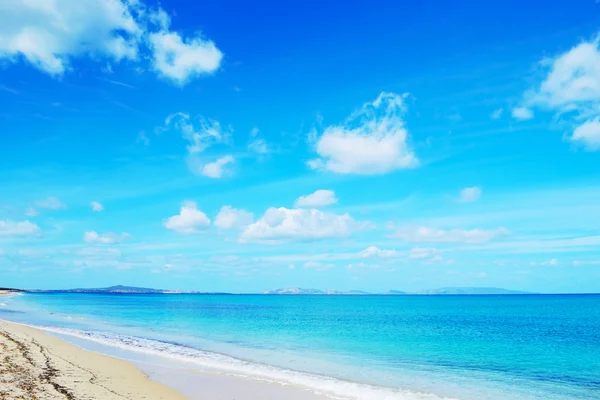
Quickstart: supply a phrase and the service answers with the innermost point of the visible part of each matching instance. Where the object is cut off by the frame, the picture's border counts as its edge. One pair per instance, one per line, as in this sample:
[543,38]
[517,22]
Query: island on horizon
[121,289]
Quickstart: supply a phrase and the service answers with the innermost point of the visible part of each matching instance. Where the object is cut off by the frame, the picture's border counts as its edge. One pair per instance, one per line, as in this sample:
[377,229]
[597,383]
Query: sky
[240,147]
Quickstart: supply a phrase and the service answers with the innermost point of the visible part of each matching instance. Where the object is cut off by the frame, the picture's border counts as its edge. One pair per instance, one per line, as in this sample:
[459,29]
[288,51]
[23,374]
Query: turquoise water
[364,347]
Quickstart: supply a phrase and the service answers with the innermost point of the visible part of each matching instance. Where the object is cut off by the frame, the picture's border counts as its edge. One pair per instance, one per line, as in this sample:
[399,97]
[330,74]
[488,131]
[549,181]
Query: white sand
[37,366]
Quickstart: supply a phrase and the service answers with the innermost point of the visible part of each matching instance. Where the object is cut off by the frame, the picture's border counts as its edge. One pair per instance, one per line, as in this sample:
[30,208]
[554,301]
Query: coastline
[71,372]
[38,365]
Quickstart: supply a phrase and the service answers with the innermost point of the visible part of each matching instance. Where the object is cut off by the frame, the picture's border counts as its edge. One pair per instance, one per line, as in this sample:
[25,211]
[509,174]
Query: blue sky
[233,147]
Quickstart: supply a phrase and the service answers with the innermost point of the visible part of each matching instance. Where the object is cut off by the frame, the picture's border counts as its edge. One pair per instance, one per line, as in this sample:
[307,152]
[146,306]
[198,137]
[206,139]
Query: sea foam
[220,363]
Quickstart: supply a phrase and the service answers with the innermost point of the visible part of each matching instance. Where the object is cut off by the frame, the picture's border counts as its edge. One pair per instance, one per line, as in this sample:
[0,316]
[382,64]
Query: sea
[463,347]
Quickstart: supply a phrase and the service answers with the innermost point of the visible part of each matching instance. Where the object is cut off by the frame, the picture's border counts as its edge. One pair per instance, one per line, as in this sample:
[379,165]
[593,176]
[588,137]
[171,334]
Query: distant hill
[472,290]
[118,289]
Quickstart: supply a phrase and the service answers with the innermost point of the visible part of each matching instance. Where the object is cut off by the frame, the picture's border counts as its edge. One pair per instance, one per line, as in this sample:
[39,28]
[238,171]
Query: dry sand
[37,366]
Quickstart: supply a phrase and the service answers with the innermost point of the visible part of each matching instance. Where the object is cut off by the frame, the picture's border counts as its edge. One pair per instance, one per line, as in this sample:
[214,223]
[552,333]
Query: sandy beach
[36,365]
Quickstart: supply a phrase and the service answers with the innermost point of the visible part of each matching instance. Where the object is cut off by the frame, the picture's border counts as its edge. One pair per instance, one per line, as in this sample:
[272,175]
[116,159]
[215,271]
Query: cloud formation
[375,252]
[50,35]
[373,140]
[216,169]
[189,219]
[233,218]
[571,89]
[281,224]
[179,60]
[319,198]
[588,134]
[23,228]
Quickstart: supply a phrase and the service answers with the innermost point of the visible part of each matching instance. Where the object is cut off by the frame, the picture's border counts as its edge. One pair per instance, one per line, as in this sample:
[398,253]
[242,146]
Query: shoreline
[41,366]
[44,366]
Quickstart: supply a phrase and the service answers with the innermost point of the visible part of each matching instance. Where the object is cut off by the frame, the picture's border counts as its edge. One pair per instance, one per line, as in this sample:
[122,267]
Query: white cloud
[14,228]
[49,35]
[496,114]
[522,113]
[588,134]
[319,198]
[571,89]
[573,77]
[189,219]
[97,207]
[216,169]
[470,194]
[179,59]
[107,238]
[433,235]
[279,224]
[373,140]
[257,143]
[373,251]
[31,212]
[51,203]
[232,218]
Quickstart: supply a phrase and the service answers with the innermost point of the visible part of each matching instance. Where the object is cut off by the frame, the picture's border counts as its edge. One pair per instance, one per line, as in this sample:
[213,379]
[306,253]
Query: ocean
[525,347]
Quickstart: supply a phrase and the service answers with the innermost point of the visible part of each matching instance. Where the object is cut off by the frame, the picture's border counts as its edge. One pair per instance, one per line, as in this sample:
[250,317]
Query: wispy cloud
[9,90]
[51,203]
[123,84]
[469,194]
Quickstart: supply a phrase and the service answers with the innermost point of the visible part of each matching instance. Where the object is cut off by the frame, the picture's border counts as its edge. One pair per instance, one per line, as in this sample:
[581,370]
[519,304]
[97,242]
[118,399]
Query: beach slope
[35,365]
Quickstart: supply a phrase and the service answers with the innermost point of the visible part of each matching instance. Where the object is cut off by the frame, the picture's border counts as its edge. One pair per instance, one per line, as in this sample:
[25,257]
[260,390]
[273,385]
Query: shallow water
[368,347]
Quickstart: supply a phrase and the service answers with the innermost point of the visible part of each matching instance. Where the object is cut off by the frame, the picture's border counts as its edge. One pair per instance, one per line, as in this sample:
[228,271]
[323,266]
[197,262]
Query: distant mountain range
[292,291]
[441,291]
[117,289]
[472,290]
